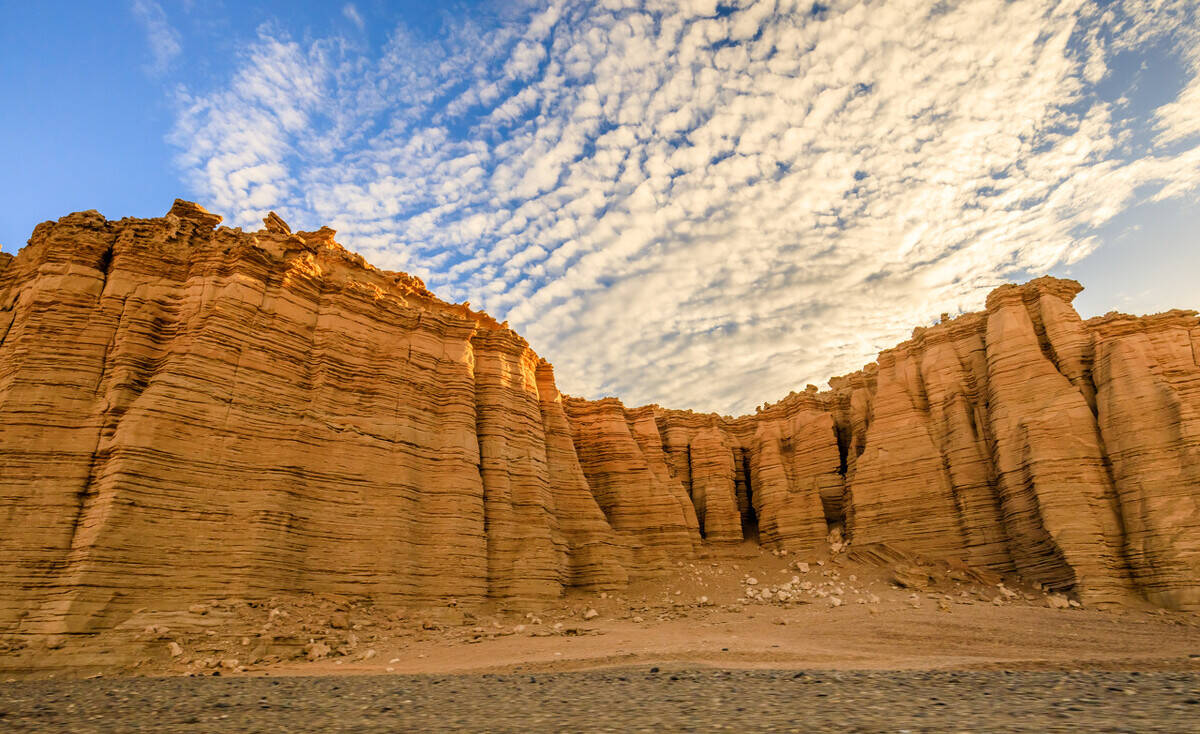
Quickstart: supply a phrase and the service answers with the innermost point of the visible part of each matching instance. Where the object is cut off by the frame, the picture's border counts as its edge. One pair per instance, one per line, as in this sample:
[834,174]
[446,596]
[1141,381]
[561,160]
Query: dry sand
[696,615]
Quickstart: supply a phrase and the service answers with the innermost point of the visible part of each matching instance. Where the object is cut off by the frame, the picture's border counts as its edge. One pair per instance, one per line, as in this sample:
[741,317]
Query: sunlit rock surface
[189,411]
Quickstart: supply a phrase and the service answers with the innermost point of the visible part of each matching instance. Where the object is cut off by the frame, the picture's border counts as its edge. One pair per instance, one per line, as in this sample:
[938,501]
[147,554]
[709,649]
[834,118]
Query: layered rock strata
[189,410]
[1019,439]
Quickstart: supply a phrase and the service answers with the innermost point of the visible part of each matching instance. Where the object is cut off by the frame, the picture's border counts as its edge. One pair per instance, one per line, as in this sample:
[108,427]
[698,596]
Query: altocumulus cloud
[710,205]
[163,39]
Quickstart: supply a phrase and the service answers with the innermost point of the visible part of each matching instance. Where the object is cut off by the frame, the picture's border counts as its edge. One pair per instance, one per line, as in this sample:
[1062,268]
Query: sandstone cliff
[1020,439]
[189,410]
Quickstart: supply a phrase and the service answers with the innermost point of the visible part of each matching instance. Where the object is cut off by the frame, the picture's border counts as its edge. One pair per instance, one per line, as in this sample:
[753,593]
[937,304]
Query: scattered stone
[1058,601]
[910,577]
[592,613]
[316,651]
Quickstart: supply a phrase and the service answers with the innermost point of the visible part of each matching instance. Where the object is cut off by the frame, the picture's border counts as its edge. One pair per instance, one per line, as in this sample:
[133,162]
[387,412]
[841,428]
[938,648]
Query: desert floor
[856,641]
[848,611]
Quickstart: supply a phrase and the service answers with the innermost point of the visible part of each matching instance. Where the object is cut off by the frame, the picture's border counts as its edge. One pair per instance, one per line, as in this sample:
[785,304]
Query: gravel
[643,699]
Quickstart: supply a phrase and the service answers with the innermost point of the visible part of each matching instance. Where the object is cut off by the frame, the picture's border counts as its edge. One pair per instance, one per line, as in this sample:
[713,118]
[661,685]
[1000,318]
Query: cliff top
[190,229]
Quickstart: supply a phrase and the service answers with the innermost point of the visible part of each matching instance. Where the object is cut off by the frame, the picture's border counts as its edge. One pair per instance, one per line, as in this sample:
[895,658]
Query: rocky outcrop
[622,458]
[1147,382]
[189,411]
[1019,439]
[1052,481]
[596,558]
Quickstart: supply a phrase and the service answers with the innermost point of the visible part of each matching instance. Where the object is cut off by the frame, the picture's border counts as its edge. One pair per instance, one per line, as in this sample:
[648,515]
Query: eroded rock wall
[623,460]
[1147,380]
[1020,439]
[190,411]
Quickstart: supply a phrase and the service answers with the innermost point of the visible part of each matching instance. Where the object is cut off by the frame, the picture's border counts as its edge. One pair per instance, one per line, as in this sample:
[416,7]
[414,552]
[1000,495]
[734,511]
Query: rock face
[190,411]
[1020,439]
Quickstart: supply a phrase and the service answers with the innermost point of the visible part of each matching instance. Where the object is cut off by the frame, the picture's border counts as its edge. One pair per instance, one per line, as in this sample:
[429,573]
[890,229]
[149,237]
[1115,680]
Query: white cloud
[708,211]
[1180,120]
[351,13]
[163,39]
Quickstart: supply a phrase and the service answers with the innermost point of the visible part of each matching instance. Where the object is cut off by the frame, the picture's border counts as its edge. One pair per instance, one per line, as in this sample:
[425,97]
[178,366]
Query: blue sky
[702,204]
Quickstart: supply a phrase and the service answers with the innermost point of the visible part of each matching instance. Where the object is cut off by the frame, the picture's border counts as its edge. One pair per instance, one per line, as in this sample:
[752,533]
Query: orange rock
[596,559]
[189,411]
[1052,481]
[630,481]
[1147,378]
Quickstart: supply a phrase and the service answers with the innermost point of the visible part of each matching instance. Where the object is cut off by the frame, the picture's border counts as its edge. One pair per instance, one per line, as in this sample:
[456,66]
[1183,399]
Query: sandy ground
[849,611]
[617,700]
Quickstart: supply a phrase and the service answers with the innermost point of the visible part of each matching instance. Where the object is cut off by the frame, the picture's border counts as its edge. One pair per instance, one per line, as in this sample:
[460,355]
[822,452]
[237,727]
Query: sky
[696,203]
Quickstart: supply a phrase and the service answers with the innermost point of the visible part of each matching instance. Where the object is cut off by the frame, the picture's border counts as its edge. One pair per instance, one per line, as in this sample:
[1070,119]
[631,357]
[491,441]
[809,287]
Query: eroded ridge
[189,410]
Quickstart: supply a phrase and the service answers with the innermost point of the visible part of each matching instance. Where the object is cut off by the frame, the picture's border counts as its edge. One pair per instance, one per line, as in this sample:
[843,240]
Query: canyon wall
[1021,439]
[189,411]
